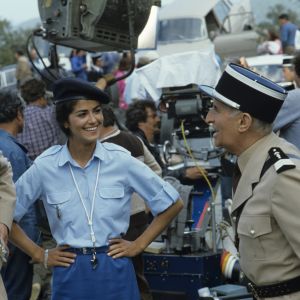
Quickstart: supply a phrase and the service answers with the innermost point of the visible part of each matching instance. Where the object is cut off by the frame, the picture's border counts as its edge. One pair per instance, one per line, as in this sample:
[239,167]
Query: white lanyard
[88,216]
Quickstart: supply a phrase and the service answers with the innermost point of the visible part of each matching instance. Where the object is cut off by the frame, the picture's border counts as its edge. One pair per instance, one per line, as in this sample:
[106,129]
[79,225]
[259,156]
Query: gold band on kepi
[247,91]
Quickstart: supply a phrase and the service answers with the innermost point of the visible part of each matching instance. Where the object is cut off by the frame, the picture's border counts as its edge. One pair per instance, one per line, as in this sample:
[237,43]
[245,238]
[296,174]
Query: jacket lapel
[251,163]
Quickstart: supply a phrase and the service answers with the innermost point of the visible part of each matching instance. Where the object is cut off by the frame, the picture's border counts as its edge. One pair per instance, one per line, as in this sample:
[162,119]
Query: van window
[181,29]
[221,11]
[10,76]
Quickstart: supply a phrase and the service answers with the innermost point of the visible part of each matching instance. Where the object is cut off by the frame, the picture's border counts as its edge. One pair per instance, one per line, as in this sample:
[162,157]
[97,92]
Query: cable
[31,39]
[196,163]
[132,53]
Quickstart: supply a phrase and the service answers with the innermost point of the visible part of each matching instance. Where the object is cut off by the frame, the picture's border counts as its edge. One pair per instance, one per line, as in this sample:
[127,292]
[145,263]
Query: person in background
[40,128]
[78,64]
[142,120]
[86,187]
[96,72]
[266,182]
[7,206]
[110,132]
[287,34]
[23,69]
[36,61]
[288,72]
[110,61]
[272,45]
[18,284]
[287,122]
[123,68]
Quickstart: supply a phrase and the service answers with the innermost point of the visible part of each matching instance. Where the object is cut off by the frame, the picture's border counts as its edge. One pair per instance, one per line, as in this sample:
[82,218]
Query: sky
[18,11]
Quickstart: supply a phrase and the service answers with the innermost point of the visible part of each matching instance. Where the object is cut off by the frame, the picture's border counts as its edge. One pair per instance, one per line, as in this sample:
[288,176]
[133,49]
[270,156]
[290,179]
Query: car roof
[261,60]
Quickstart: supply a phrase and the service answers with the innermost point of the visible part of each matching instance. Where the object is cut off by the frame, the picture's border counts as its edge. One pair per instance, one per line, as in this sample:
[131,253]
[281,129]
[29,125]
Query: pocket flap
[58,198]
[111,192]
[254,226]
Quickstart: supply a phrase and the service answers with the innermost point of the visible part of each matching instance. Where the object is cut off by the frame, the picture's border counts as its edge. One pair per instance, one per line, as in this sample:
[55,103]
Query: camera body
[185,109]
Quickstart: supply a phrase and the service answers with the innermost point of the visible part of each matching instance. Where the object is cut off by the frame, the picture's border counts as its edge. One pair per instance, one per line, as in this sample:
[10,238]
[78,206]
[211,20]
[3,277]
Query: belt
[87,250]
[277,289]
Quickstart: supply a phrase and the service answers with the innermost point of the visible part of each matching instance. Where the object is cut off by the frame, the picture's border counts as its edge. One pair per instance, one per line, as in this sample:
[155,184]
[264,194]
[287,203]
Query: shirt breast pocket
[112,201]
[255,237]
[60,205]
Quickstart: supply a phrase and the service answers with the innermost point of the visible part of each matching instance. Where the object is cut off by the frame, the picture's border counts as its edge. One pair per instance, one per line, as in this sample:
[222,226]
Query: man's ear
[245,122]
[20,116]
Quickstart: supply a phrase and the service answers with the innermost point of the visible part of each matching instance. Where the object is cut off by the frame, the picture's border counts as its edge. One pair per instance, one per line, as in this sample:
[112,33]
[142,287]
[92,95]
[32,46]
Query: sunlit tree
[10,40]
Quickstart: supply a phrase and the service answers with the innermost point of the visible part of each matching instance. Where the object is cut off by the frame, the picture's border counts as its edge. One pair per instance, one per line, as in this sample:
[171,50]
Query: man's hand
[194,173]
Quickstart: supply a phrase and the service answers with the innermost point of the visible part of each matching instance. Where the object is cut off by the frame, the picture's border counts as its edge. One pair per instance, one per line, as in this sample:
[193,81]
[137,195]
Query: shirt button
[252,231]
[234,219]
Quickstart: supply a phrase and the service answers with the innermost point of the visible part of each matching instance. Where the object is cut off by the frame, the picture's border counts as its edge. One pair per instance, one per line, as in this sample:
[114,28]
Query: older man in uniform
[7,206]
[266,204]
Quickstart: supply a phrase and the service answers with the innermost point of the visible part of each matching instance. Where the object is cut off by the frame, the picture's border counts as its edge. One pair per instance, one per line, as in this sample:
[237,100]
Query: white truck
[197,24]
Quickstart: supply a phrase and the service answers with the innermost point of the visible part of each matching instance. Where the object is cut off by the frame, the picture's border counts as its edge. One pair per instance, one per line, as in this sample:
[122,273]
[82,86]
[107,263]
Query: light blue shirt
[50,179]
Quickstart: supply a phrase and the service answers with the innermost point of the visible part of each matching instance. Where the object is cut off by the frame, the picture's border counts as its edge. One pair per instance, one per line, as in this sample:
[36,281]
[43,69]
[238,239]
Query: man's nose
[208,118]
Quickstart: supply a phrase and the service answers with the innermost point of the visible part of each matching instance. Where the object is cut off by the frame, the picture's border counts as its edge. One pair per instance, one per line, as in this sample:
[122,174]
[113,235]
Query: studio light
[95,25]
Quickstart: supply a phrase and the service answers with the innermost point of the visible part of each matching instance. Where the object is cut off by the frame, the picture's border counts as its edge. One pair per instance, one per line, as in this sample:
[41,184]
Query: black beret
[249,92]
[68,89]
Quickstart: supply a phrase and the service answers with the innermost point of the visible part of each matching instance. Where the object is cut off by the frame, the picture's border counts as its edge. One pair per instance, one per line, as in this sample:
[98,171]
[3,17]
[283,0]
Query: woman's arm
[55,257]
[119,247]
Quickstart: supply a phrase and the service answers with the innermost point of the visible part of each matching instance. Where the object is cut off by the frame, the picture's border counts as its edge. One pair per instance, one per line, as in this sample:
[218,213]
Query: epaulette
[280,160]
[114,147]
[50,151]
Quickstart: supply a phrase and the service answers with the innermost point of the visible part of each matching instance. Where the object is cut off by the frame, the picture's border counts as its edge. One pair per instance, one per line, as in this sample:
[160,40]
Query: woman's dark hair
[136,113]
[63,110]
[10,105]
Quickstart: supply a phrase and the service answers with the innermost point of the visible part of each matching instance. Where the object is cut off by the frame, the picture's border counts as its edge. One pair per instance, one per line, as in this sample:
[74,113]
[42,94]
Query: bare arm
[57,256]
[120,247]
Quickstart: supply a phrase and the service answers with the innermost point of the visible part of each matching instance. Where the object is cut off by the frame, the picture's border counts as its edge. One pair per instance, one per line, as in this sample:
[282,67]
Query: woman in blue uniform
[86,189]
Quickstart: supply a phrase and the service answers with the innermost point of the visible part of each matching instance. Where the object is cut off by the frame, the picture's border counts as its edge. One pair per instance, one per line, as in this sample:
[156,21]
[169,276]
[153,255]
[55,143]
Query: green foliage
[271,22]
[10,40]
[272,17]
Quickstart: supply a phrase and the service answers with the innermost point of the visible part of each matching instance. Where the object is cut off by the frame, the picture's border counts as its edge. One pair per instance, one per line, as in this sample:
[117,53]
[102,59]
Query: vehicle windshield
[180,30]
[272,72]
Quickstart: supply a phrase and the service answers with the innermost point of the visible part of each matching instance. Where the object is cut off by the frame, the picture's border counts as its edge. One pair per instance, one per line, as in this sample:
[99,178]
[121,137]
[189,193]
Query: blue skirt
[113,279]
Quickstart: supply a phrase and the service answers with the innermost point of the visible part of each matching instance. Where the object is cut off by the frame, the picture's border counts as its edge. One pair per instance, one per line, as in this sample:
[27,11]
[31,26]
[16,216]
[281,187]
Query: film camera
[185,109]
